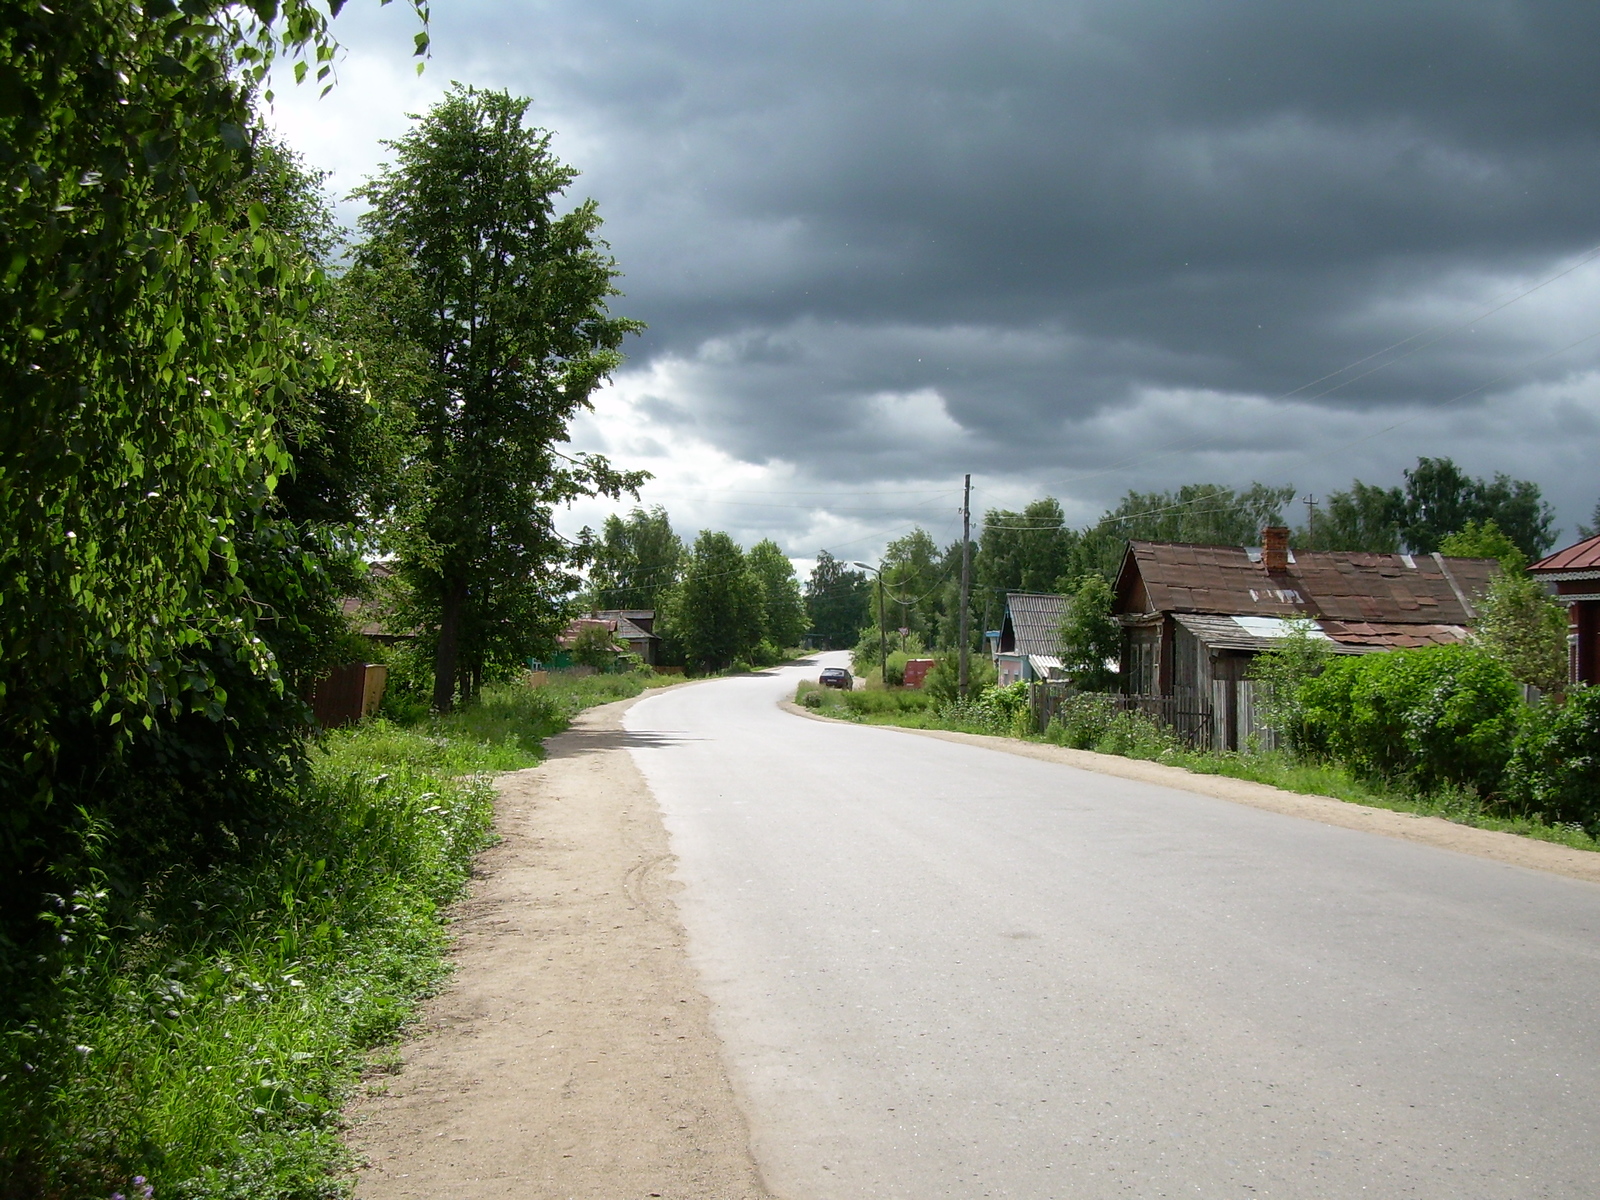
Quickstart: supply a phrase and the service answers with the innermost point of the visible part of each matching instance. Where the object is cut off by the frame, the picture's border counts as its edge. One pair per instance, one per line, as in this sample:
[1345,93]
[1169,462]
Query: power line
[1498,304]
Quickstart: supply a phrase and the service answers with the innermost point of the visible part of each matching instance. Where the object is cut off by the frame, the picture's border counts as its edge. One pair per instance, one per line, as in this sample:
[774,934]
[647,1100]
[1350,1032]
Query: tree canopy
[784,620]
[837,600]
[502,303]
[715,613]
[635,559]
[161,303]
[1440,499]
[1091,638]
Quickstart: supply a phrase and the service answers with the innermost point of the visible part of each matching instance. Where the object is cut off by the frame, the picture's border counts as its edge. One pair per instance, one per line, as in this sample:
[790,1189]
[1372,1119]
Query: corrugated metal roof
[1584,556]
[1337,585]
[1035,620]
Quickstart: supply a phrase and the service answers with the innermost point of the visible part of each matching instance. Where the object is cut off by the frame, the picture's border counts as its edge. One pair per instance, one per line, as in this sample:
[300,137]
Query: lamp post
[883,636]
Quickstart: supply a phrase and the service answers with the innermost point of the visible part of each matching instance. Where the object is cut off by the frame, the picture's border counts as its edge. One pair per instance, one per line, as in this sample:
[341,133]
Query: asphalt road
[940,970]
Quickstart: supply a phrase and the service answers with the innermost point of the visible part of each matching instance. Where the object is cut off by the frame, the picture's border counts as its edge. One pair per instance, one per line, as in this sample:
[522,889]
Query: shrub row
[1453,717]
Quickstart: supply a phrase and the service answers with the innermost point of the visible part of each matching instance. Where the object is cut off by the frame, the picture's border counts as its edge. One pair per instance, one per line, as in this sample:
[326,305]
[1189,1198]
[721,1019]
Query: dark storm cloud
[1041,211]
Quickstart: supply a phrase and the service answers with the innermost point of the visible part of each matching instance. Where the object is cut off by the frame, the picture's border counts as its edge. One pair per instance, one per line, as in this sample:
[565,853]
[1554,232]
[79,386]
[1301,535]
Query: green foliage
[1282,674]
[997,709]
[1082,722]
[1555,768]
[1437,717]
[1593,527]
[784,620]
[1091,636]
[204,1026]
[502,304]
[864,703]
[206,1038]
[1366,517]
[1020,552]
[1440,499]
[1092,721]
[1138,735]
[593,647]
[635,560]
[864,659]
[1204,513]
[163,352]
[1523,629]
[944,678]
[838,600]
[715,612]
[1483,539]
[914,573]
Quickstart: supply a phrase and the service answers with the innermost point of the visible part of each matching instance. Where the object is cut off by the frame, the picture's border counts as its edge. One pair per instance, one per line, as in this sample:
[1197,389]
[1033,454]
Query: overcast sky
[1073,248]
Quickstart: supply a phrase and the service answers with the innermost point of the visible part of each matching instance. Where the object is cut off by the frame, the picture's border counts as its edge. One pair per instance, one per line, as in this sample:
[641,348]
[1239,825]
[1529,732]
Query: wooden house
[1194,617]
[632,628]
[1574,573]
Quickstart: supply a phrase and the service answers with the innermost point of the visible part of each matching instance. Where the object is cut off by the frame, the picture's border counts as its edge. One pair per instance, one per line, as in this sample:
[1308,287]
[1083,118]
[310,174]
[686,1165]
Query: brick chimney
[1275,549]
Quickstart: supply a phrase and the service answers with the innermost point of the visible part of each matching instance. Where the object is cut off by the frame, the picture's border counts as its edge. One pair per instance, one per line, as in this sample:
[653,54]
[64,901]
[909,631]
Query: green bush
[998,710]
[1083,721]
[1438,717]
[897,700]
[1555,767]
[942,681]
[1137,735]
[1281,675]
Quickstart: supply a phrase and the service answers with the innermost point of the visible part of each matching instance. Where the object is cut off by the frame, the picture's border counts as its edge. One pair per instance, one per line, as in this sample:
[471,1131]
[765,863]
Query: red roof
[1585,556]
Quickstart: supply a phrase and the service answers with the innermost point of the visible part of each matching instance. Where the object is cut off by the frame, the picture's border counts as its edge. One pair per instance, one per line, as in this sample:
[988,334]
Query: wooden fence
[1191,719]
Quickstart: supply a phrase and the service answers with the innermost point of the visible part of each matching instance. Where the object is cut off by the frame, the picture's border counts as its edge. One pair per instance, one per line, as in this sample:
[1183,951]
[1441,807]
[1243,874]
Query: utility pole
[1311,521]
[883,635]
[966,586]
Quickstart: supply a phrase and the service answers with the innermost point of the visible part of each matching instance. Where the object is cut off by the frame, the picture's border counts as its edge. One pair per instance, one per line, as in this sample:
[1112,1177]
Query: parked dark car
[836,677]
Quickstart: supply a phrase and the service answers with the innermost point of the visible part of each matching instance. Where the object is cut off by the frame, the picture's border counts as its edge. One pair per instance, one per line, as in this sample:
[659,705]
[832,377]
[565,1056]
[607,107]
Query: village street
[939,970]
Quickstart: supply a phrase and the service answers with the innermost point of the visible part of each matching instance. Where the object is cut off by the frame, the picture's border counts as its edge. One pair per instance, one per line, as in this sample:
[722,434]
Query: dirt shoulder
[572,1053]
[1431,831]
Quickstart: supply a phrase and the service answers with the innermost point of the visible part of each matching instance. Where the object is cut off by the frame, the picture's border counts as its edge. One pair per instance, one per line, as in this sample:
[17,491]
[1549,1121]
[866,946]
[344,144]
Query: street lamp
[883,637]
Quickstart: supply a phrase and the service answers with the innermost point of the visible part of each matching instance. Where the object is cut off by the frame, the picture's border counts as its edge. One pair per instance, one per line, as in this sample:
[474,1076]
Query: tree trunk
[448,651]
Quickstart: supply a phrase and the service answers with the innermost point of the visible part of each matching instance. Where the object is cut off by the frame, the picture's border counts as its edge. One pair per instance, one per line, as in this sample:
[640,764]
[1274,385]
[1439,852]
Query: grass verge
[200,1041]
[912,709]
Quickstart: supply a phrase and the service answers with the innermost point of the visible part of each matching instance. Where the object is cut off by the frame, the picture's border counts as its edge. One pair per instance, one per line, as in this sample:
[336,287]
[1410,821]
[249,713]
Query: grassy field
[203,1044]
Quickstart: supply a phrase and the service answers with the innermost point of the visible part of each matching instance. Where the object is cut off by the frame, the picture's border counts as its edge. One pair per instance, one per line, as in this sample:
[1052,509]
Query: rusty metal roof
[1345,637]
[1345,586]
[1584,556]
[1377,635]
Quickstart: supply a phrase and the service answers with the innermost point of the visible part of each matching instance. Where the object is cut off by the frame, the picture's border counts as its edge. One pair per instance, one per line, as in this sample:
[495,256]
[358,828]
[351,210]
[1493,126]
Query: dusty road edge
[1508,848]
[572,1053]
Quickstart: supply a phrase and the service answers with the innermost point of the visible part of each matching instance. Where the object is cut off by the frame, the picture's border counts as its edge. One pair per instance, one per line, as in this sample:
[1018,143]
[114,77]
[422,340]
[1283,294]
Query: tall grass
[200,1031]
